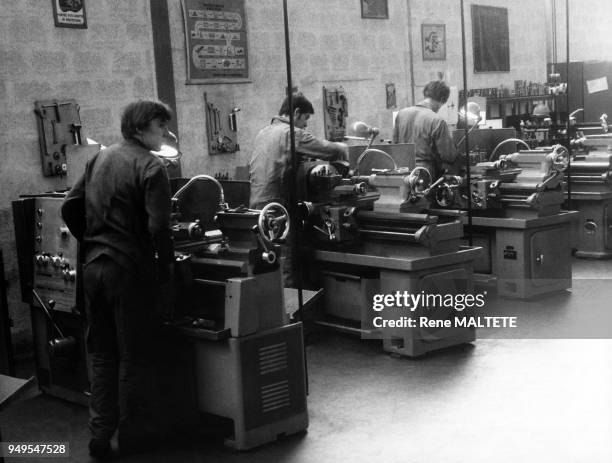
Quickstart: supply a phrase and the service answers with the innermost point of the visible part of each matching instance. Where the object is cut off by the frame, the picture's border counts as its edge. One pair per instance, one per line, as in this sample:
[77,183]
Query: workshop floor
[498,400]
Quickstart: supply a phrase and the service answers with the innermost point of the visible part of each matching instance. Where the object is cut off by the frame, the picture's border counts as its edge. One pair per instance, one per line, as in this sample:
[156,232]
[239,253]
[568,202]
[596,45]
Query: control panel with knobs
[55,255]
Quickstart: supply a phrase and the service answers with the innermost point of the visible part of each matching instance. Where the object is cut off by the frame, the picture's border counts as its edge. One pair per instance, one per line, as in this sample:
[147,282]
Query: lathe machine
[248,360]
[227,348]
[367,236]
[517,219]
[591,192]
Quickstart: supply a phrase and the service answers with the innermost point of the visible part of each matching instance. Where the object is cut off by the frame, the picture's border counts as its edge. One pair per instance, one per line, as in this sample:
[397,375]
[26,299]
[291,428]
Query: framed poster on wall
[216,41]
[69,13]
[374,9]
[433,37]
[490,39]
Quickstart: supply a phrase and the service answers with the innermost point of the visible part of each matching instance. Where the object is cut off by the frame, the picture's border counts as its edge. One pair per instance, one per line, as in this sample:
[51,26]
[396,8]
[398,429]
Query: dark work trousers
[120,329]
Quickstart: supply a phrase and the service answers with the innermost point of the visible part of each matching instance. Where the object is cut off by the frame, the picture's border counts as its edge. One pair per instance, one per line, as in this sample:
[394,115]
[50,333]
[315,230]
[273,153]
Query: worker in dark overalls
[119,210]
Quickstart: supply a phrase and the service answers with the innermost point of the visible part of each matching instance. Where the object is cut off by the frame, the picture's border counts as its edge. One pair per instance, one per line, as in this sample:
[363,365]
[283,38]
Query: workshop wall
[589,24]
[101,67]
[527,43]
[111,62]
[332,46]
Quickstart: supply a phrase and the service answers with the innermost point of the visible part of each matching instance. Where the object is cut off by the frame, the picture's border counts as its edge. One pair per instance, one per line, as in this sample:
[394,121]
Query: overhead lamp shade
[541,110]
[361,129]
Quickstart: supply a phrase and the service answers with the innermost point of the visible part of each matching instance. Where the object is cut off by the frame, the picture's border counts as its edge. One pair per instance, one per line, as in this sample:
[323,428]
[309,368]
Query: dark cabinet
[594,104]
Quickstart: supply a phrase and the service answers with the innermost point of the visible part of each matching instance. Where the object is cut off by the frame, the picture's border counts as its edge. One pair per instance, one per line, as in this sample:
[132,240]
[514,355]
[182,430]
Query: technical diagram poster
[216,41]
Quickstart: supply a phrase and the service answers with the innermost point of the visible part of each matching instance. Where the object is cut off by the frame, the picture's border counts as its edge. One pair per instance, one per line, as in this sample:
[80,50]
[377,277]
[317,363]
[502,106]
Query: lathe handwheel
[445,196]
[273,222]
[560,157]
[419,180]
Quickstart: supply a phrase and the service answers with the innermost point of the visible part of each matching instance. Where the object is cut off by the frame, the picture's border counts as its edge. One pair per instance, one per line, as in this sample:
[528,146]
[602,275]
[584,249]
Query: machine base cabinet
[593,232]
[448,280]
[256,381]
[351,280]
[529,257]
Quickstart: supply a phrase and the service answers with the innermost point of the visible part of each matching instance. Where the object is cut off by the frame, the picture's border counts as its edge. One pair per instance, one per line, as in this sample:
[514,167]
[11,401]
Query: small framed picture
[433,37]
[391,98]
[69,13]
[374,9]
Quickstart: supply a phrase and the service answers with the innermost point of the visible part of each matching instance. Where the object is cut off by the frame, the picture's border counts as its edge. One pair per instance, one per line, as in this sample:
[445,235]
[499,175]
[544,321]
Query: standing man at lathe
[422,125]
[270,163]
[119,210]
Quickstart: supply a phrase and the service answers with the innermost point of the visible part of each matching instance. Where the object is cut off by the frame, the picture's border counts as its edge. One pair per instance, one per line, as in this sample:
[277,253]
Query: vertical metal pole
[162,52]
[554,33]
[567,107]
[411,52]
[467,137]
[553,22]
[295,163]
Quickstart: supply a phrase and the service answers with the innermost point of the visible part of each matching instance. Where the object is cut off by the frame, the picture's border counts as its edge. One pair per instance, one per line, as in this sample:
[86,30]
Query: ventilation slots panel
[272,358]
[275,396]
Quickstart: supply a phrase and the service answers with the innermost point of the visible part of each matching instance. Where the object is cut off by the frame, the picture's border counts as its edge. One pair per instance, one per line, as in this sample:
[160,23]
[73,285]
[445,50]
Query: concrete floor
[498,400]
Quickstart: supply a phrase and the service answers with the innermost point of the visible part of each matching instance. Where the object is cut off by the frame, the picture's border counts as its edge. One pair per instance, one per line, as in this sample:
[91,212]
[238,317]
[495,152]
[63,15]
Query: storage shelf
[513,105]
[512,99]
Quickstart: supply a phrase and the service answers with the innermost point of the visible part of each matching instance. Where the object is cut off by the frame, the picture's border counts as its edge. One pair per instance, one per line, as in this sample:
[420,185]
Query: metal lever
[433,185]
[325,232]
[268,255]
[232,120]
[64,345]
[42,304]
[76,131]
[552,177]
[328,225]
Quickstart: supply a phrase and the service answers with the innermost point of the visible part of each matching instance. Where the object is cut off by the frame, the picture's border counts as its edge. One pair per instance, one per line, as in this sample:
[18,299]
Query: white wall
[589,29]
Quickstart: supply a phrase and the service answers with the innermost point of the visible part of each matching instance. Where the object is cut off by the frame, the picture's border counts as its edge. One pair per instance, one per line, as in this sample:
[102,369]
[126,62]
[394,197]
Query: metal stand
[6,348]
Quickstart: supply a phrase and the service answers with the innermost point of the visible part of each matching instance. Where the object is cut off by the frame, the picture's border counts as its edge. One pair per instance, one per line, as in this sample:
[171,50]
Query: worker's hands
[457,167]
[344,150]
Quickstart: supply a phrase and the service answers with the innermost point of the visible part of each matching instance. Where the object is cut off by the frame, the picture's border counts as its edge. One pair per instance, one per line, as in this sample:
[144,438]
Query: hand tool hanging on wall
[221,139]
[233,125]
[59,125]
[335,112]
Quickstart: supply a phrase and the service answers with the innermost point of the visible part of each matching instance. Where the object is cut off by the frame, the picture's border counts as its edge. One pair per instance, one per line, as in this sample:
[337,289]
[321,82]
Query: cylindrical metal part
[595,178]
[63,347]
[513,200]
[410,237]
[360,188]
[589,166]
[187,231]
